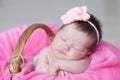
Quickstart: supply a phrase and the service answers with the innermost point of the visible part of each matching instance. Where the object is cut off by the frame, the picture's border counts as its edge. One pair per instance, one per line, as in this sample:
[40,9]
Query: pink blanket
[104,65]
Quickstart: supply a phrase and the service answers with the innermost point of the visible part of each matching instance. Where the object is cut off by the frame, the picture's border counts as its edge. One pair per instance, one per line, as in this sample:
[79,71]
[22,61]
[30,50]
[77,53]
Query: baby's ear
[89,53]
[52,37]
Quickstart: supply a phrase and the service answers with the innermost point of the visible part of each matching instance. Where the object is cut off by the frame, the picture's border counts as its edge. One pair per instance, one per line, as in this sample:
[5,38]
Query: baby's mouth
[61,51]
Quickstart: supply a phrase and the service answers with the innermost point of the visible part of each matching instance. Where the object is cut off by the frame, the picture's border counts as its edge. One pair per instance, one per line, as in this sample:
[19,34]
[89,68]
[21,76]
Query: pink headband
[78,13]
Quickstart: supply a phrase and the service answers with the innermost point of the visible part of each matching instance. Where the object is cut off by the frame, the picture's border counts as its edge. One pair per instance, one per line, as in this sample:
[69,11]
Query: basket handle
[15,60]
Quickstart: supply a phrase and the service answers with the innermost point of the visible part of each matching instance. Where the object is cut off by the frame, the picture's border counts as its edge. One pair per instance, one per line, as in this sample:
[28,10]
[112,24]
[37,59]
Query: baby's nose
[66,48]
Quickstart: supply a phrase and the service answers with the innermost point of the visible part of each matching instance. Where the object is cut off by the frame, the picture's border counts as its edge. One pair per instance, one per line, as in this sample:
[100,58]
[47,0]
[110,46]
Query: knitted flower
[75,14]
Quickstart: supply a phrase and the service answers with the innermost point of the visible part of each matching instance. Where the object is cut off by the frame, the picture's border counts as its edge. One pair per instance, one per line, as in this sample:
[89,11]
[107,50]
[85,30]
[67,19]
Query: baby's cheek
[72,55]
[78,56]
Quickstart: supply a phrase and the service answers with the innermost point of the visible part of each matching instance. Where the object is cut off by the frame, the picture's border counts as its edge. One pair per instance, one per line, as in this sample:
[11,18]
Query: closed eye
[78,49]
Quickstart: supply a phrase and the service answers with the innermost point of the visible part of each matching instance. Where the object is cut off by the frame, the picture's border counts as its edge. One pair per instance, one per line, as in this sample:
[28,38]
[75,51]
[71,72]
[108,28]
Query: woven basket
[16,62]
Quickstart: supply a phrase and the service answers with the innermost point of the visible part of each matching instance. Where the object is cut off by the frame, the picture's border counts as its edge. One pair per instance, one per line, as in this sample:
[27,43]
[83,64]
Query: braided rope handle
[15,61]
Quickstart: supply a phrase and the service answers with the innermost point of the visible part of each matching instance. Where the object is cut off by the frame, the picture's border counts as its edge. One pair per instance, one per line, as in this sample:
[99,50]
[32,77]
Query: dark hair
[88,28]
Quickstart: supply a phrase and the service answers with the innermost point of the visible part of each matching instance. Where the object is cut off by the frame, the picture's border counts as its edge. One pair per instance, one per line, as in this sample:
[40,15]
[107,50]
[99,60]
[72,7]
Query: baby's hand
[63,73]
[53,68]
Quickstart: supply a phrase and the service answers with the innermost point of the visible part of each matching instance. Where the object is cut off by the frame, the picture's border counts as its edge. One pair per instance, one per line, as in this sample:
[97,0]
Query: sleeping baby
[72,45]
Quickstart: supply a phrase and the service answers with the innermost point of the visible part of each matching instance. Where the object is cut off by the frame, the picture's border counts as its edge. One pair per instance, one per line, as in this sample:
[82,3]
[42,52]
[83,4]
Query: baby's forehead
[73,26]
[76,37]
[69,28]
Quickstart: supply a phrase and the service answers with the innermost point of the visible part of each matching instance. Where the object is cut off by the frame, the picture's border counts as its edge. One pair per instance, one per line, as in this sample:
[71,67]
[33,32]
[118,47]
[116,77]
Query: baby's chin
[62,56]
[59,55]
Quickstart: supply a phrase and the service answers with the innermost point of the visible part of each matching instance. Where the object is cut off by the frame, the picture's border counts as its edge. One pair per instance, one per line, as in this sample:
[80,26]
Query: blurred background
[19,12]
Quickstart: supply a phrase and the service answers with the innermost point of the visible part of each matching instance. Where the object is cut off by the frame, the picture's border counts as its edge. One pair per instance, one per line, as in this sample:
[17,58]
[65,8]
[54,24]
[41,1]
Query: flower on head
[75,14]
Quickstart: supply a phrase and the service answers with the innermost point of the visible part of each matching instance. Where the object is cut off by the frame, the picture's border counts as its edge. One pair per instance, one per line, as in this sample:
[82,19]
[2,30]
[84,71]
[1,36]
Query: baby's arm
[73,66]
[42,62]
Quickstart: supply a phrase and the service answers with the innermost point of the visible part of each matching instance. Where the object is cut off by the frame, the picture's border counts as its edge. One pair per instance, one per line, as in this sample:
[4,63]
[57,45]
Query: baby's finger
[65,73]
[62,73]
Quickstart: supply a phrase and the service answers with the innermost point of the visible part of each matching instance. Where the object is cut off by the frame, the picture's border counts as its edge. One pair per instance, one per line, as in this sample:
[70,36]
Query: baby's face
[71,43]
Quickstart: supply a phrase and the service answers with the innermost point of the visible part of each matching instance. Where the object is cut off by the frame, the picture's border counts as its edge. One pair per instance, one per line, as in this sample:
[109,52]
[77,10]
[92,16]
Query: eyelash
[78,49]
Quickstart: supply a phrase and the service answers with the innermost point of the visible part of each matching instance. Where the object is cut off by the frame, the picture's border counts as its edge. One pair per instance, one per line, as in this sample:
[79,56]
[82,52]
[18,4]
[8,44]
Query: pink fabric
[104,65]
[35,43]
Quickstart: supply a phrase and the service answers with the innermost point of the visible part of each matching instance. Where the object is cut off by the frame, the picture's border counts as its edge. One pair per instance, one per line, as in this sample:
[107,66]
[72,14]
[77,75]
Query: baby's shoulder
[45,50]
